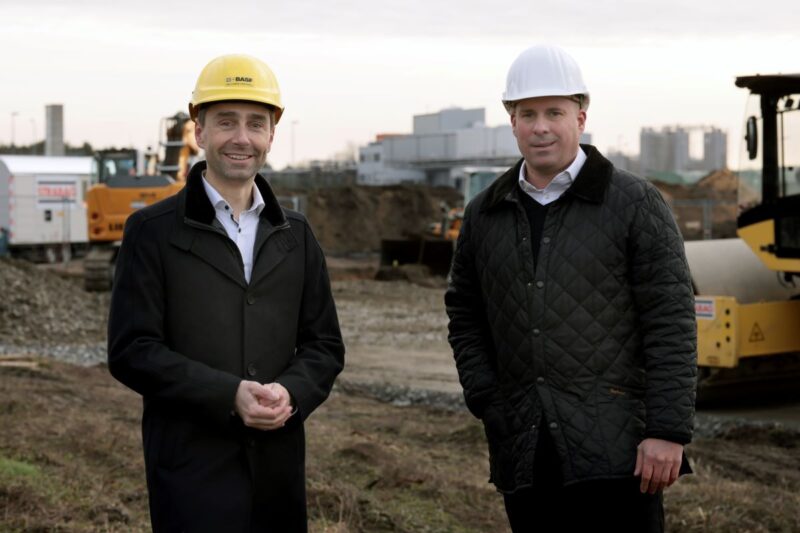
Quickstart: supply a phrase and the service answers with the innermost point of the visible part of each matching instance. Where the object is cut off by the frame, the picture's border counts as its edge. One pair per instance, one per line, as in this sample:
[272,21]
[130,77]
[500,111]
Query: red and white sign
[52,193]
[705,308]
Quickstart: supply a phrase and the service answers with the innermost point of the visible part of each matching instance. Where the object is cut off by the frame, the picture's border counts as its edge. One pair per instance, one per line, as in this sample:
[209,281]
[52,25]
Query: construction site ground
[393,449]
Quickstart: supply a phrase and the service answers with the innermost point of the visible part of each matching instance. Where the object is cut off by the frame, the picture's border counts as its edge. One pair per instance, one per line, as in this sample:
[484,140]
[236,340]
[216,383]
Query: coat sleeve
[469,332]
[662,290]
[319,354]
[138,355]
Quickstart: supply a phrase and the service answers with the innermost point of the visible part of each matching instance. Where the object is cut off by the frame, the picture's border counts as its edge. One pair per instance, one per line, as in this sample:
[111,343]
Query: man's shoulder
[299,225]
[497,191]
[296,216]
[161,212]
[633,186]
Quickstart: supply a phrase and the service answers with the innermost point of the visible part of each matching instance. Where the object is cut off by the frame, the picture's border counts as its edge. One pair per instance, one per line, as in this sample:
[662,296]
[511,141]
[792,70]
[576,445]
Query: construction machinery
[123,181]
[747,294]
[435,246]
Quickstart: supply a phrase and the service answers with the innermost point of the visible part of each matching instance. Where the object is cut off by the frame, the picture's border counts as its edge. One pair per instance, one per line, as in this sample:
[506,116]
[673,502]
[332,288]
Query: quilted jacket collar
[198,207]
[590,184]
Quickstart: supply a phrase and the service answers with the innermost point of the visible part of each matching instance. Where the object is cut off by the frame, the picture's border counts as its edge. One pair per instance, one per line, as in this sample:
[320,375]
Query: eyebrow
[551,108]
[234,114]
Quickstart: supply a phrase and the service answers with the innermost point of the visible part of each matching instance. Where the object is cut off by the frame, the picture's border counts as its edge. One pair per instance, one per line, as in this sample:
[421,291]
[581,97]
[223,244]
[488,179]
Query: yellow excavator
[747,289]
[121,184]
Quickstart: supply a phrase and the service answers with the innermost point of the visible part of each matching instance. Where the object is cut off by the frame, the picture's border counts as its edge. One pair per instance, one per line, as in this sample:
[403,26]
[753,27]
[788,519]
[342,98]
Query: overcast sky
[352,69]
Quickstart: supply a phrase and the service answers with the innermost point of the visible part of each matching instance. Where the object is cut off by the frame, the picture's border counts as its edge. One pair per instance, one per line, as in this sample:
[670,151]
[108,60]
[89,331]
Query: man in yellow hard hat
[572,321]
[222,319]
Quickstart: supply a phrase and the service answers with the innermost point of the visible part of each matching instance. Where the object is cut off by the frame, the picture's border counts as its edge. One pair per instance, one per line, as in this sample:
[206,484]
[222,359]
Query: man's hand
[658,462]
[263,407]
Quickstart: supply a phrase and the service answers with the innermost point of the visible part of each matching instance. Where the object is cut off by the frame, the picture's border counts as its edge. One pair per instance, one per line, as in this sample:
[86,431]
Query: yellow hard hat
[236,77]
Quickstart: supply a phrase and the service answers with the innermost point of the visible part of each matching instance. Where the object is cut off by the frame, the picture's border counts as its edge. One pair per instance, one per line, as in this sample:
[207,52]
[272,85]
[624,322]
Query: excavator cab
[107,164]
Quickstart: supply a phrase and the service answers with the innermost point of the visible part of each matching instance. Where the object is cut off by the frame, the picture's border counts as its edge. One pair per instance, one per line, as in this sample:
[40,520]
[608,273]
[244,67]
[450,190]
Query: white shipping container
[42,199]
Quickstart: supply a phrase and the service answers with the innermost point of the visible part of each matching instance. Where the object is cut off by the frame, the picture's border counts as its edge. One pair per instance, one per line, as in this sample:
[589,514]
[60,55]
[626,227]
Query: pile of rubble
[42,311]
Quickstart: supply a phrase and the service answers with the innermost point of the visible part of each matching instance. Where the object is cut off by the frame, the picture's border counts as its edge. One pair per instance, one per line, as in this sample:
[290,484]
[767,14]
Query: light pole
[13,119]
[294,123]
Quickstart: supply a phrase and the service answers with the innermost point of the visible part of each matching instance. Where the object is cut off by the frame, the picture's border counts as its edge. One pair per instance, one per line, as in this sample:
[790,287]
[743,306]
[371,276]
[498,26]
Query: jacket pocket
[621,415]
[495,423]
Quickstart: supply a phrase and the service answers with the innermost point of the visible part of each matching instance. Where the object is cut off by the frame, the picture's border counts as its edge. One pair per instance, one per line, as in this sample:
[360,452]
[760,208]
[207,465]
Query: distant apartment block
[715,149]
[667,150]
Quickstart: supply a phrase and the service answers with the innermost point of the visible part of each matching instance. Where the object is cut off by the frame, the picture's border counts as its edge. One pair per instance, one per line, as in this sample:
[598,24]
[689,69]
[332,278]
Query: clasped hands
[263,406]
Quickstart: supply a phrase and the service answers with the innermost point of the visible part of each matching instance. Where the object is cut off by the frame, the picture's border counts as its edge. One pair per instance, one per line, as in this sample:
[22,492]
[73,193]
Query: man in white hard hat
[572,321]
[222,318]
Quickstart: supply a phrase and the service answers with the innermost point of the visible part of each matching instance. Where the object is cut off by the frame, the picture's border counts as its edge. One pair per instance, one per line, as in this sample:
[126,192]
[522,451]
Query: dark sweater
[536,213]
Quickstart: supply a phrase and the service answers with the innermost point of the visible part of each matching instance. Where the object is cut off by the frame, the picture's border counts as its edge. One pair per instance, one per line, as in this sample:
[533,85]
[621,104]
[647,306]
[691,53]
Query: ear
[198,134]
[271,137]
[514,122]
[581,119]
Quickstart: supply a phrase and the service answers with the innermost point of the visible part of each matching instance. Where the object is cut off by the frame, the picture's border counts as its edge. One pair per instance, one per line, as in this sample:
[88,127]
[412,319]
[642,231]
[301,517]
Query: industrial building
[440,145]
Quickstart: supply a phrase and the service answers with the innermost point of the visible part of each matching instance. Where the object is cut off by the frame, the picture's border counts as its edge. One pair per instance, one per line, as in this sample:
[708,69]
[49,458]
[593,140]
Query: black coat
[597,340]
[186,328]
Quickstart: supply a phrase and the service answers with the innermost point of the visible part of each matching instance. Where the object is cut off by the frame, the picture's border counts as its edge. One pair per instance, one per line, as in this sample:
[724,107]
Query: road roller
[748,289]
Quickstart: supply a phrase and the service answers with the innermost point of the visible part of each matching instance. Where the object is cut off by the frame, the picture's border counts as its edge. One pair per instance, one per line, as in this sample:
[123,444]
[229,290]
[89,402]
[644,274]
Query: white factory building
[440,145]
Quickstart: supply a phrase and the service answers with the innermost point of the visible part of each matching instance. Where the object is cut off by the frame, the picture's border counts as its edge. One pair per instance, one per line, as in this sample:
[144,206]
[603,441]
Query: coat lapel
[271,248]
[210,247]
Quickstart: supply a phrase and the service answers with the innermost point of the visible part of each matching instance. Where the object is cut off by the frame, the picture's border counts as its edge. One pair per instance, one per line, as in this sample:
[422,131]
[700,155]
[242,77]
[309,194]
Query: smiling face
[548,130]
[237,137]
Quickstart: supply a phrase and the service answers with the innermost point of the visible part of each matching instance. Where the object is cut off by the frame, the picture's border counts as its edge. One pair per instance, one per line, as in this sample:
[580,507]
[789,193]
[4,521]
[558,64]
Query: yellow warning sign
[756,335]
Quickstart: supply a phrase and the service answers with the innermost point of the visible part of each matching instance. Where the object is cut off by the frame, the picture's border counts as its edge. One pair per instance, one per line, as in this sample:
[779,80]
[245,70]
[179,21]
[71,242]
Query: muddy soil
[70,450]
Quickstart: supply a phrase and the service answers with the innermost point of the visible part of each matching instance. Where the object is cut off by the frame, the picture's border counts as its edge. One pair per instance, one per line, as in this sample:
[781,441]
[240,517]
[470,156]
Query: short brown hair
[201,113]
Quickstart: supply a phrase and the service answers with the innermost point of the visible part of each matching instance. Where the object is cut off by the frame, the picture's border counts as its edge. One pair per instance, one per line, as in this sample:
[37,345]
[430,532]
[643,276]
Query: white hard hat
[544,70]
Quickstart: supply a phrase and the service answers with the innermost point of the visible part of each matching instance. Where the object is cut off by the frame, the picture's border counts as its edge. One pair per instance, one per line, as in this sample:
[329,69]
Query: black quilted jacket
[597,340]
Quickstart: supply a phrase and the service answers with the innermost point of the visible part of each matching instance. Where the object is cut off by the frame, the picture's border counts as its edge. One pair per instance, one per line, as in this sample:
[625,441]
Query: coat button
[251,299]
[553,425]
[536,332]
[540,284]
[251,369]
[524,239]
[546,240]
[540,380]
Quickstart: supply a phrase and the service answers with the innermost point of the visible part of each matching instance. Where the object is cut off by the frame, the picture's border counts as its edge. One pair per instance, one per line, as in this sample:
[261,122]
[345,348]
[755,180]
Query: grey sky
[608,20]
[351,69]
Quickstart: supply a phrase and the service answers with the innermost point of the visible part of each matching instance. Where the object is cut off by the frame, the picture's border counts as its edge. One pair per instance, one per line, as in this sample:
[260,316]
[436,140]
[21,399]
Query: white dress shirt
[243,232]
[557,186]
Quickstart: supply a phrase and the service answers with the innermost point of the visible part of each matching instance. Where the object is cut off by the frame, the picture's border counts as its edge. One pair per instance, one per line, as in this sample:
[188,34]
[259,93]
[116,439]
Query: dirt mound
[721,187]
[43,307]
[356,218]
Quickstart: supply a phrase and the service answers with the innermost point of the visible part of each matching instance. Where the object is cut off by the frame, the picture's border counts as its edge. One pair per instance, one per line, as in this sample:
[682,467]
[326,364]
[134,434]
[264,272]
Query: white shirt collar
[220,203]
[558,185]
